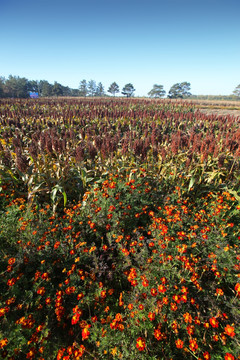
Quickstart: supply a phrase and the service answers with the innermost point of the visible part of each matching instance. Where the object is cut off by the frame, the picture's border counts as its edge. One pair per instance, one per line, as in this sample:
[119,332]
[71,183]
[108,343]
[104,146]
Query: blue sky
[143,42]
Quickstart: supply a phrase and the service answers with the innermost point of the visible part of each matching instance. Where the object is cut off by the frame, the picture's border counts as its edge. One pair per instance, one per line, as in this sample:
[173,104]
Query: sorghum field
[119,230]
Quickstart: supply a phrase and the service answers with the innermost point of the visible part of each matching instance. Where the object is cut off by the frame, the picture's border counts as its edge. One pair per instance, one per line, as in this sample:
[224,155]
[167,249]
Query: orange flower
[173,307]
[154,292]
[179,343]
[140,344]
[187,318]
[158,335]
[237,289]
[229,330]
[161,288]
[151,316]
[206,355]
[193,345]
[3,342]
[11,261]
[85,332]
[229,356]
[75,318]
[213,321]
[219,292]
[11,282]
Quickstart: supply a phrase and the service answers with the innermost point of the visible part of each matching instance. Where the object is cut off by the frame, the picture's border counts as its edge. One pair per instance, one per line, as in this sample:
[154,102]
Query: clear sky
[143,42]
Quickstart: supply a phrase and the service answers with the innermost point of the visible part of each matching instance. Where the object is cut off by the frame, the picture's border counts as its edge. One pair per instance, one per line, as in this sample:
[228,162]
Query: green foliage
[179,90]
[236,92]
[128,90]
[113,88]
[157,91]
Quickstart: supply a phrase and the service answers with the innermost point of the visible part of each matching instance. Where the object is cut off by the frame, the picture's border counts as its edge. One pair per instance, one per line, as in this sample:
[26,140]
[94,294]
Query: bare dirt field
[219,107]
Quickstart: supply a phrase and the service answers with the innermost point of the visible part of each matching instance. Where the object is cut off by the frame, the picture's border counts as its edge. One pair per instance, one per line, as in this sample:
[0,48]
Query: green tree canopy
[83,90]
[91,87]
[157,91]
[113,88]
[128,90]
[16,87]
[57,89]
[45,88]
[99,90]
[236,92]
[180,90]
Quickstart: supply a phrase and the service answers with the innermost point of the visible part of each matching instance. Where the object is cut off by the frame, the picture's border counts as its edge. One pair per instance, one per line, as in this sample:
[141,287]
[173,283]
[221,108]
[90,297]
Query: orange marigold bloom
[85,332]
[11,261]
[179,343]
[11,282]
[145,282]
[237,289]
[214,323]
[173,307]
[161,288]
[206,355]
[187,318]
[219,292]
[151,316]
[3,342]
[141,344]
[193,345]
[158,335]
[41,290]
[229,330]
[229,356]
[154,292]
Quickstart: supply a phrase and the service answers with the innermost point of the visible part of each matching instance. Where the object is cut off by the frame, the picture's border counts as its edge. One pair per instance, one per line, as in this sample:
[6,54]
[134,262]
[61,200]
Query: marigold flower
[229,356]
[206,355]
[187,318]
[193,345]
[229,330]
[219,292]
[161,288]
[85,332]
[179,343]
[141,344]
[173,306]
[11,282]
[214,323]
[145,282]
[237,289]
[158,335]
[151,316]
[11,261]
[154,292]
[3,342]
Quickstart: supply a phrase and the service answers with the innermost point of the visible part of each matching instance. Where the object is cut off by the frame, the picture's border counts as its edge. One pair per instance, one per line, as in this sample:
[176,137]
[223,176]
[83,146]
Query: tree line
[20,87]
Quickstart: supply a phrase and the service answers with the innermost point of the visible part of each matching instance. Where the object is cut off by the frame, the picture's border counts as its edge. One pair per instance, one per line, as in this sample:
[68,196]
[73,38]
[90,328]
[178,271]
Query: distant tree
[128,90]
[45,89]
[180,90]
[2,84]
[66,91]
[157,91]
[92,87]
[57,89]
[75,92]
[99,90]
[83,89]
[236,92]
[113,88]
[16,87]
[33,85]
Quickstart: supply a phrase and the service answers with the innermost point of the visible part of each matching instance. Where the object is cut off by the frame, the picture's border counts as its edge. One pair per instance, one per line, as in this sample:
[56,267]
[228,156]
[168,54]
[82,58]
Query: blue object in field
[33,95]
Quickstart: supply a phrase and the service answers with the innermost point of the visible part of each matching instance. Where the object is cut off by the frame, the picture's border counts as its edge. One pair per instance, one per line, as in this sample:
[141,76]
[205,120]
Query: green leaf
[191,183]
